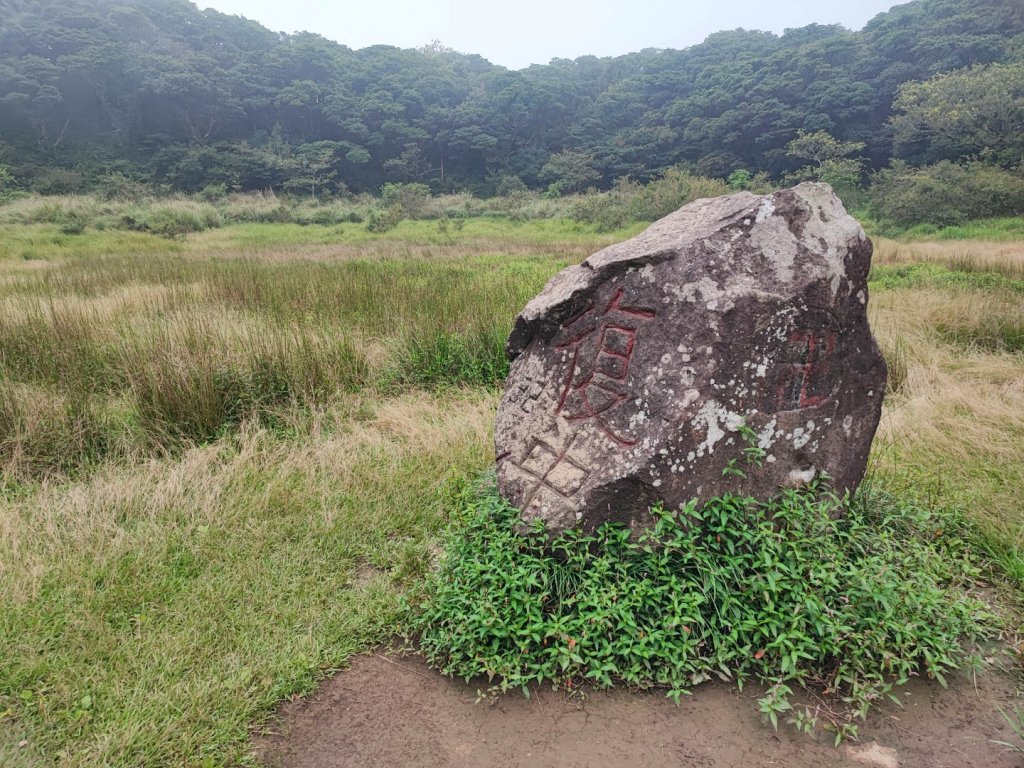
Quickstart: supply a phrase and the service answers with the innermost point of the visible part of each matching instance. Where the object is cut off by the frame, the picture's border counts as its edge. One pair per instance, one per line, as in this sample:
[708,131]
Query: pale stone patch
[873,754]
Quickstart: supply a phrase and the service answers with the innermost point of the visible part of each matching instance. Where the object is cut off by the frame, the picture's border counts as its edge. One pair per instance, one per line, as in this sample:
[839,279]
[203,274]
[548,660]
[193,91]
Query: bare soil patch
[395,711]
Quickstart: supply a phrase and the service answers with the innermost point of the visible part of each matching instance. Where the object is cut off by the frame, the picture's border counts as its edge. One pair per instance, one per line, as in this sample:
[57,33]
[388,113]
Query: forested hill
[161,91]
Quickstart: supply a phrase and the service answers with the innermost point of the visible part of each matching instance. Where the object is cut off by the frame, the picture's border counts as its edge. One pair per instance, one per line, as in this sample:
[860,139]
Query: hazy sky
[523,32]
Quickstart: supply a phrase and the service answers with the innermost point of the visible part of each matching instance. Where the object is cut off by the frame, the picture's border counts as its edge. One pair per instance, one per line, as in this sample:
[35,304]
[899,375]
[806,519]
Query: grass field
[223,458]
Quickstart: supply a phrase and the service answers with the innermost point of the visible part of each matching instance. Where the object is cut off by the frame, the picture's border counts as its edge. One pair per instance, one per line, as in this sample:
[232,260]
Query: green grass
[439,359]
[176,610]
[890,276]
[39,242]
[995,331]
[996,334]
[551,233]
[46,241]
[181,349]
[998,229]
[47,228]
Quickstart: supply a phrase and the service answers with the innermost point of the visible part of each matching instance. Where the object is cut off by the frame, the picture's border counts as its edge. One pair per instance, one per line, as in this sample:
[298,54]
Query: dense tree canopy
[163,92]
[973,112]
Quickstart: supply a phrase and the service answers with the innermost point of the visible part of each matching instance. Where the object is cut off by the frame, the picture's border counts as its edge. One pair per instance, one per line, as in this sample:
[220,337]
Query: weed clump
[384,219]
[785,593]
[441,358]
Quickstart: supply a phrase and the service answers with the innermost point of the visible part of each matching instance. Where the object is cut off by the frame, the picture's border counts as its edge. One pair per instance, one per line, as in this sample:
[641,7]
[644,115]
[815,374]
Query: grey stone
[636,374]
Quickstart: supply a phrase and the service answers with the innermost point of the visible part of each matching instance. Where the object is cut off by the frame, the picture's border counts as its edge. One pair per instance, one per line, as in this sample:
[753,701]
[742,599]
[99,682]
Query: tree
[830,162]
[8,184]
[409,165]
[570,171]
[314,166]
[192,97]
[944,194]
[821,149]
[739,179]
[973,112]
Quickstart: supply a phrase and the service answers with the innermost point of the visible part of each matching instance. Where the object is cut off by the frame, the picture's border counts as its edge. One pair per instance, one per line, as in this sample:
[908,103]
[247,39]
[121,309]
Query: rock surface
[643,373]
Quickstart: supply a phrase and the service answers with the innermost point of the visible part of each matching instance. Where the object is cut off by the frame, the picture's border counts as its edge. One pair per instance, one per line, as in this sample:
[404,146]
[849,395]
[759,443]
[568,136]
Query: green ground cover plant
[945,194]
[852,598]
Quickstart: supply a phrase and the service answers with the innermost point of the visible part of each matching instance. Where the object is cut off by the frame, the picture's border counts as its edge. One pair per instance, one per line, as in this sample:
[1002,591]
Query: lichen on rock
[641,374]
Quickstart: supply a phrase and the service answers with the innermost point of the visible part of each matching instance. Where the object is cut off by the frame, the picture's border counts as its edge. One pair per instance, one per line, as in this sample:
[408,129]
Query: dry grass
[955,427]
[1005,258]
[105,517]
[145,353]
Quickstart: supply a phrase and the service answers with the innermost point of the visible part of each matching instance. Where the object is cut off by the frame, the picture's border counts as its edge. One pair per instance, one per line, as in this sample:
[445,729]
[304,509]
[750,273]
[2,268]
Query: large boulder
[642,374]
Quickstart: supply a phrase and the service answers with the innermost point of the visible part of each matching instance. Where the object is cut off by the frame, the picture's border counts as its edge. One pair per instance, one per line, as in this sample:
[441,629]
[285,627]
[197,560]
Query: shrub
[384,219]
[786,593]
[944,194]
[117,186]
[175,219]
[213,193]
[511,186]
[455,206]
[132,218]
[72,222]
[9,188]
[166,222]
[71,214]
[326,215]
[739,179]
[674,189]
[255,207]
[57,181]
[628,201]
[411,199]
[609,210]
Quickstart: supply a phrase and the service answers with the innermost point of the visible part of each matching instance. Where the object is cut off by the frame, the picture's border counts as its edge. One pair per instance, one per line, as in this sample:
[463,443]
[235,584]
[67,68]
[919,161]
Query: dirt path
[394,711]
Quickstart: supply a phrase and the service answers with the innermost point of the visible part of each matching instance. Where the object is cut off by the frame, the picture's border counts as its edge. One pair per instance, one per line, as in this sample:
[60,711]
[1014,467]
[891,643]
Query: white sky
[527,32]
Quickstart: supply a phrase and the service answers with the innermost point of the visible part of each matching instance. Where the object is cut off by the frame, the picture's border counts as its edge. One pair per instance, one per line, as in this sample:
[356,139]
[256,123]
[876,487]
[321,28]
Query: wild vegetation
[117,94]
[254,290]
[804,589]
[114,355]
[227,455]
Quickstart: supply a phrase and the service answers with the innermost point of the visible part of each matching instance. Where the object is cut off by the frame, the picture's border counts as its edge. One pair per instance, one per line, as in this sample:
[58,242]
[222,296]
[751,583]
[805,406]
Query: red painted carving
[602,348]
[806,383]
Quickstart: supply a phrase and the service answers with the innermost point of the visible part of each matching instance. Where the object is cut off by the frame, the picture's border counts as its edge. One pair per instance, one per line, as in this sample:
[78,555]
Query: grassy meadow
[223,457]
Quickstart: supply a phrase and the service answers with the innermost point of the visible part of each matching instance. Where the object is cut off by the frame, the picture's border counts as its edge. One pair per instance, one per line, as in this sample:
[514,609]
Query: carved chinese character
[807,381]
[602,348]
[554,475]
